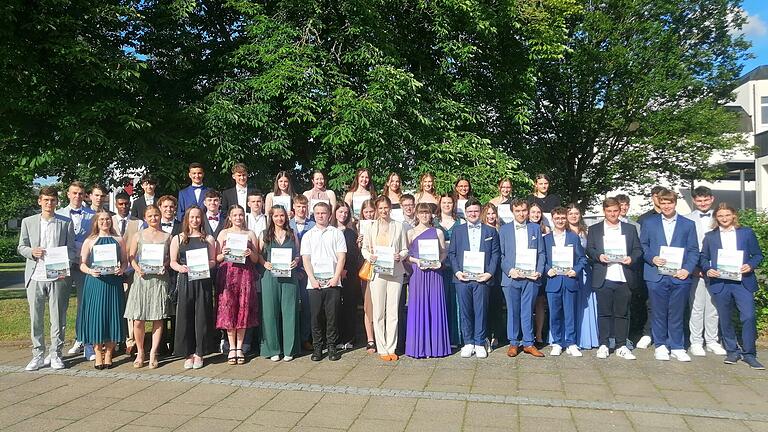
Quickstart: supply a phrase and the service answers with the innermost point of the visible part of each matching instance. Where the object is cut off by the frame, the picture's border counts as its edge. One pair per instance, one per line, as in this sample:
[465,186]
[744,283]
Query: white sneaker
[467,351]
[56,362]
[77,348]
[644,342]
[35,364]
[47,360]
[698,350]
[602,352]
[680,355]
[275,358]
[625,353]
[556,350]
[287,358]
[188,363]
[92,357]
[488,346]
[661,353]
[573,351]
[494,343]
[480,351]
[716,349]
[611,343]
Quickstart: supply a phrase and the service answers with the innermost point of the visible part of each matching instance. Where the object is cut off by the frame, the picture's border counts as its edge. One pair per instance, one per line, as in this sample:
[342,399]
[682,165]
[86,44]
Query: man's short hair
[610,202]
[255,192]
[300,199]
[667,195]
[322,204]
[472,201]
[239,168]
[701,191]
[165,198]
[100,187]
[212,193]
[122,195]
[518,202]
[149,178]
[196,165]
[77,183]
[560,211]
[406,197]
[656,189]
[50,191]
[622,198]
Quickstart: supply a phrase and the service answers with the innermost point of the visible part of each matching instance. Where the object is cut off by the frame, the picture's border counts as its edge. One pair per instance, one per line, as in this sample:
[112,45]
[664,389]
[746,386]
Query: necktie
[707,214]
[77,212]
[122,227]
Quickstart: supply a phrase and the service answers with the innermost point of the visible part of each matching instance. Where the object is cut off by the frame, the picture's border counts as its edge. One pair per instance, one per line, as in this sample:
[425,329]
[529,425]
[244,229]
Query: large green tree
[637,97]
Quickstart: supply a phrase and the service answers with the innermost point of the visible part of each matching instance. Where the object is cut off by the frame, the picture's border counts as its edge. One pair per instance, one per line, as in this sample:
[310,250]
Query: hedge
[8,252]
[758,221]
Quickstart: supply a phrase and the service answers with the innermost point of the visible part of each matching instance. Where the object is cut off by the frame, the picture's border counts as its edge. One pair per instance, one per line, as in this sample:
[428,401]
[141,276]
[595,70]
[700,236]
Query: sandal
[152,360]
[370,347]
[139,362]
[232,360]
[240,359]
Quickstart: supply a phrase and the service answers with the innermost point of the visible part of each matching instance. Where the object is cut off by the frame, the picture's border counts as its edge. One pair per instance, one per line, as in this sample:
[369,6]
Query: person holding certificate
[729,257]
[565,260]
[671,253]
[447,221]
[474,256]
[362,190]
[427,322]
[350,282]
[385,246]
[193,255]
[279,247]
[505,193]
[47,241]
[319,192]
[522,264]
[104,259]
[148,296]
[586,309]
[282,192]
[614,248]
[236,292]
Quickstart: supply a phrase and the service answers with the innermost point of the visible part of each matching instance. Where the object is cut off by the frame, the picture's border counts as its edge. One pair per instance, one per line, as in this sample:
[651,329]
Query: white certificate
[237,244]
[548,218]
[474,264]
[397,215]
[385,260]
[152,258]
[323,272]
[562,259]
[615,247]
[312,203]
[365,225]
[729,263]
[197,263]
[105,258]
[525,261]
[674,257]
[429,253]
[282,200]
[505,213]
[357,203]
[281,262]
[460,204]
[56,262]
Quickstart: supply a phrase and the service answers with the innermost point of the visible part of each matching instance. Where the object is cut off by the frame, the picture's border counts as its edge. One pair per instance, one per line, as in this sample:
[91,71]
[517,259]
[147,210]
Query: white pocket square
[533,237]
[489,239]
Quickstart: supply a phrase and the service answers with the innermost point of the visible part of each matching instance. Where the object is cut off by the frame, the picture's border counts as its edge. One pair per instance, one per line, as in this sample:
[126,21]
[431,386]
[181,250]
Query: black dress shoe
[752,362]
[317,355]
[333,355]
[98,367]
[732,358]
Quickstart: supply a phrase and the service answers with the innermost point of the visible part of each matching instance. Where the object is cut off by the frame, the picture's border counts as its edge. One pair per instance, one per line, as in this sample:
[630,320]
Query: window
[764,109]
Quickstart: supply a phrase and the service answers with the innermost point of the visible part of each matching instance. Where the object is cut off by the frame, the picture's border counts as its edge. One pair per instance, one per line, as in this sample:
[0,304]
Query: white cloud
[755,26]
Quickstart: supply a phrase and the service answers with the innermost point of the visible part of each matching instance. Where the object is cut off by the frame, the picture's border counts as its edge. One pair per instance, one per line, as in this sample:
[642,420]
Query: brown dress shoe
[532,350]
[307,346]
[513,351]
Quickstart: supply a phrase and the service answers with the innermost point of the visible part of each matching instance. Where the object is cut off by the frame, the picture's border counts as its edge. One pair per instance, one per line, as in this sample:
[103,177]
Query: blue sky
[756,30]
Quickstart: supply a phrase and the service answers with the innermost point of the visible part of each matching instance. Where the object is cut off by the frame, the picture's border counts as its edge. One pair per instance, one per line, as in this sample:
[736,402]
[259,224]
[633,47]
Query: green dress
[279,307]
[103,304]
[148,296]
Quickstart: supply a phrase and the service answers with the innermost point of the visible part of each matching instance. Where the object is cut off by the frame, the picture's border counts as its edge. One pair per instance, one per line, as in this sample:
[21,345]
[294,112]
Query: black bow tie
[71,211]
[168,224]
[708,214]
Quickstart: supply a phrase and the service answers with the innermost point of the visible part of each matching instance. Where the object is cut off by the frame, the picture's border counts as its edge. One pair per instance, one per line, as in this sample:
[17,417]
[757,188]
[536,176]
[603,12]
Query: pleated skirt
[102,310]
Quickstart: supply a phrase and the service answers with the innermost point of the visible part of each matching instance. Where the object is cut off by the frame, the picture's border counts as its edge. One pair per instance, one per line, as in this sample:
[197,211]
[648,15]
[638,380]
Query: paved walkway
[362,393]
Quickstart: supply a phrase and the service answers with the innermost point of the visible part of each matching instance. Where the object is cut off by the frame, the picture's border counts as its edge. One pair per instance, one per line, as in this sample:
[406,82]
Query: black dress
[194,309]
[350,289]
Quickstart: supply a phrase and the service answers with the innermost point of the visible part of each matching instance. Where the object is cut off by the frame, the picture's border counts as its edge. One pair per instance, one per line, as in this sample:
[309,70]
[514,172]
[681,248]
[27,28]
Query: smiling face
[168,209]
[240,178]
[490,217]
[667,207]
[149,188]
[409,207]
[424,217]
[364,179]
[104,222]
[342,215]
[446,205]
[123,206]
[318,181]
[394,183]
[75,194]
[725,218]
[703,203]
[196,176]
[152,216]
[368,213]
[212,204]
[560,221]
[382,210]
[237,217]
[472,213]
[574,216]
[300,210]
[534,214]
[48,203]
[520,213]
[428,184]
[505,189]
[283,183]
[462,188]
[279,216]
[195,218]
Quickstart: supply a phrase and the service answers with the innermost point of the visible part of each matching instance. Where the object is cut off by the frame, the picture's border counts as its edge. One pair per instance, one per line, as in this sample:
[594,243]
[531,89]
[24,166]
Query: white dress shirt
[475,234]
[213,223]
[728,238]
[614,272]
[46,240]
[521,237]
[242,196]
[149,199]
[669,227]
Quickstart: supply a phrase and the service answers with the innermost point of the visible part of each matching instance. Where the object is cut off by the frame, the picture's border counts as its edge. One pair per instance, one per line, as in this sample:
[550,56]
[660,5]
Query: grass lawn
[11,267]
[14,321]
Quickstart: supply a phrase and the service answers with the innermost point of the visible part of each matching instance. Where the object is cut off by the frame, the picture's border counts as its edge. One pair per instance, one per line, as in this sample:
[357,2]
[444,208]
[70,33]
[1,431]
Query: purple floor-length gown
[427,325]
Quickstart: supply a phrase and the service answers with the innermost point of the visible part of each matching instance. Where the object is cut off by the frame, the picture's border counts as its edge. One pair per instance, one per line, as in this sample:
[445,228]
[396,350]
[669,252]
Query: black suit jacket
[138,207]
[229,197]
[211,231]
[595,248]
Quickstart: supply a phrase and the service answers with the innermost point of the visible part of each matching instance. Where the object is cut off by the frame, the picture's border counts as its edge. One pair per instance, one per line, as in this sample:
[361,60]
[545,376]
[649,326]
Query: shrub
[758,221]
[8,252]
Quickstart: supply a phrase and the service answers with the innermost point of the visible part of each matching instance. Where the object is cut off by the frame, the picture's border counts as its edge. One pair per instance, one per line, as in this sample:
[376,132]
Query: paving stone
[170,421]
[293,401]
[269,418]
[38,424]
[644,421]
[201,424]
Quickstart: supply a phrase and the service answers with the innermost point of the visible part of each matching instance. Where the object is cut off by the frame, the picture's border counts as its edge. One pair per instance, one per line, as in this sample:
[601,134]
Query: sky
[756,30]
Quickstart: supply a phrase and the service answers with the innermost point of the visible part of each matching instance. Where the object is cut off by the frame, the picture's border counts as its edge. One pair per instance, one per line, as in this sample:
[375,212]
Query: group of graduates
[284,272]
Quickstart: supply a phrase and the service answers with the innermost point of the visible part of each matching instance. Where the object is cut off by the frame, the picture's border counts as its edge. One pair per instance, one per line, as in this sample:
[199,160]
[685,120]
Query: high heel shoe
[241,357]
[152,360]
[139,362]
[232,360]
[99,360]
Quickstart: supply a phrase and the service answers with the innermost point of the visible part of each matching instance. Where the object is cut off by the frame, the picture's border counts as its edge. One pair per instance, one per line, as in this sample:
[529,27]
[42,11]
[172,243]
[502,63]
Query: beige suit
[132,227]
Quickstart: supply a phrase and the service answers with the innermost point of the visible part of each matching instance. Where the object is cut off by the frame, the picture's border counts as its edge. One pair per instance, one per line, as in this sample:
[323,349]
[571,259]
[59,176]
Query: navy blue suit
[187,199]
[727,292]
[520,293]
[562,291]
[668,295]
[473,295]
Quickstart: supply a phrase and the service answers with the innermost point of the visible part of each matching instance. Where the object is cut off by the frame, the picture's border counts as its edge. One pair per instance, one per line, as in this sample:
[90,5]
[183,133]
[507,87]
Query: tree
[639,95]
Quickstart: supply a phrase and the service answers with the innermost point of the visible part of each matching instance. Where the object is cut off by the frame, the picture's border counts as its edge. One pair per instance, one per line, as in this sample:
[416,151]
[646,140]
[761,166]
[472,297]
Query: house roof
[756,74]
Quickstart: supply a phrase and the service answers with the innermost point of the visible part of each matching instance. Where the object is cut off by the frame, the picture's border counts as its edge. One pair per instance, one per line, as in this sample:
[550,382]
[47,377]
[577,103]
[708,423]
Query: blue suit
[727,292]
[668,295]
[187,199]
[562,291]
[473,295]
[520,293]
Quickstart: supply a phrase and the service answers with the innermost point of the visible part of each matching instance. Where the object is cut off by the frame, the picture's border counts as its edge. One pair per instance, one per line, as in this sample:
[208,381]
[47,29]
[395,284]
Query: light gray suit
[56,291]
[704,320]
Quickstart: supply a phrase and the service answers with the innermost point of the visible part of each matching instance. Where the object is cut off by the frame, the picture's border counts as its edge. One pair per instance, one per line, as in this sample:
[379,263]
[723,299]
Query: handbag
[366,271]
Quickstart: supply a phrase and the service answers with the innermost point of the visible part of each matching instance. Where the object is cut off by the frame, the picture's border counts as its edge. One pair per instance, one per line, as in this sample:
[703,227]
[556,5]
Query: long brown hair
[186,230]
[484,215]
[355,182]
[386,190]
[582,227]
[440,208]
[95,224]
[276,189]
[340,204]
[228,223]
[269,233]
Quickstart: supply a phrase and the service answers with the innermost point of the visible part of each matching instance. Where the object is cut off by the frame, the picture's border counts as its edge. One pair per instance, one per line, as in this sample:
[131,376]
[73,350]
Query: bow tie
[166,224]
[519,227]
[196,187]
[72,211]
[473,226]
[707,214]
[213,218]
